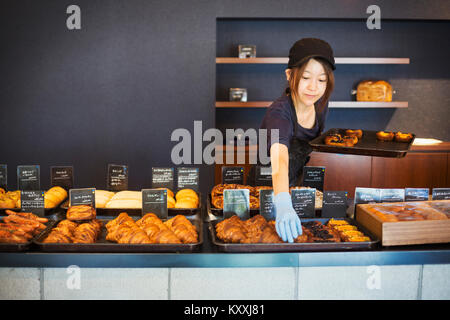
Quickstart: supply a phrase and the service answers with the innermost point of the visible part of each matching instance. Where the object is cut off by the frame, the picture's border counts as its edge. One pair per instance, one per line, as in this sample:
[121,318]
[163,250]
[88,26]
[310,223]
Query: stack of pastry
[217,194]
[151,230]
[347,232]
[413,211]
[20,227]
[68,231]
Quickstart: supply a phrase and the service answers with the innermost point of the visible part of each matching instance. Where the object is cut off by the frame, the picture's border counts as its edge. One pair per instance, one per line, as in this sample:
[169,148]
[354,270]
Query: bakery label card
[263,176]
[162,178]
[236,202]
[155,201]
[232,175]
[85,196]
[440,194]
[188,178]
[314,177]
[303,201]
[28,177]
[334,204]
[4,176]
[367,195]
[266,206]
[62,177]
[117,177]
[32,201]
[417,194]
[392,195]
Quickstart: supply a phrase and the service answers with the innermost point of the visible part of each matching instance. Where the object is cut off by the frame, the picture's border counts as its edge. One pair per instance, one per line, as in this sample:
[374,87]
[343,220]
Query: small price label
[85,196]
[155,201]
[4,176]
[266,206]
[392,195]
[314,177]
[417,194]
[162,178]
[441,194]
[263,176]
[232,175]
[236,202]
[62,177]
[334,204]
[188,178]
[367,195]
[28,177]
[32,201]
[117,177]
[303,201]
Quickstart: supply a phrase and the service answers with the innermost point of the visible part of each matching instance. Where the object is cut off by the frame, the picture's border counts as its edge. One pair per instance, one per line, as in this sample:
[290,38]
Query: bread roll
[54,196]
[124,204]
[186,193]
[128,195]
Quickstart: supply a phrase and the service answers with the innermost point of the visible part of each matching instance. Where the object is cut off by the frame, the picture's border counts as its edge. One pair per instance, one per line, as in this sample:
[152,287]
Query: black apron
[299,151]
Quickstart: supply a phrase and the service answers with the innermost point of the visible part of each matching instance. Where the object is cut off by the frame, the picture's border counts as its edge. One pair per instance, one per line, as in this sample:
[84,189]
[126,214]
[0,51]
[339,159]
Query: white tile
[359,283]
[436,282]
[19,284]
[233,283]
[106,283]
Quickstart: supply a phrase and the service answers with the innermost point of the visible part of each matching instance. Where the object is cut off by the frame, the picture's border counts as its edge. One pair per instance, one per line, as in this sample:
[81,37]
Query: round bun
[385,136]
[403,137]
[186,193]
[185,204]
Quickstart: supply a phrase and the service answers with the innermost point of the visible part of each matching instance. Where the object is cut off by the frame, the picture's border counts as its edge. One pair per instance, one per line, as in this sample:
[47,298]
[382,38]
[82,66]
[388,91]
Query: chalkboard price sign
[3,176]
[231,175]
[117,177]
[28,177]
[32,201]
[188,178]
[334,204]
[314,177]
[162,178]
[236,202]
[85,196]
[303,201]
[266,206]
[62,177]
[263,176]
[155,201]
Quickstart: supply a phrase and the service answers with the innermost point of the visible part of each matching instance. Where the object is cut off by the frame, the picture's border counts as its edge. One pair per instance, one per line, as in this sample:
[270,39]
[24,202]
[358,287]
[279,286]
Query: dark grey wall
[114,91]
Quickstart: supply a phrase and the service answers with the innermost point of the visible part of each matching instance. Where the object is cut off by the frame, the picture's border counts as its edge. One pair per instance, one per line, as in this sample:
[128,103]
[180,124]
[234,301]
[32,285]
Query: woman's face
[312,84]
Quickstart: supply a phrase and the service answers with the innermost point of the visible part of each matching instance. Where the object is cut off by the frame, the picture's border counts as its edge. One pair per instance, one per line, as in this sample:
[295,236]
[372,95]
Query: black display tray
[138,212]
[295,247]
[20,247]
[368,145]
[103,245]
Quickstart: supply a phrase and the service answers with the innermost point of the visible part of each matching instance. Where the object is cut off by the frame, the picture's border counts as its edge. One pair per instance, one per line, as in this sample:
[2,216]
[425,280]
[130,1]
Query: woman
[299,115]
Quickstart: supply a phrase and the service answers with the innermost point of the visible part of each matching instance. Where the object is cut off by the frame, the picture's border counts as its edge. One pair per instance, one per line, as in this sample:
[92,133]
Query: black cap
[307,48]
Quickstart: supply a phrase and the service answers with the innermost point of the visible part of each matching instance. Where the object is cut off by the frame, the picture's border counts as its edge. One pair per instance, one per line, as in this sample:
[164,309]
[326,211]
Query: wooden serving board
[404,232]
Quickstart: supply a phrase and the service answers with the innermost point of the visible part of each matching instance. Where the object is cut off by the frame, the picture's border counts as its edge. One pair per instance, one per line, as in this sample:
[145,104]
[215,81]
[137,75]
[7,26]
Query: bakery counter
[209,257]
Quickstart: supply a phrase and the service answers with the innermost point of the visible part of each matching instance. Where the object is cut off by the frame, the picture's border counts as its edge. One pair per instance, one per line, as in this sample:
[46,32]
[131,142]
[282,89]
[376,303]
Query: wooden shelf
[332,104]
[281,60]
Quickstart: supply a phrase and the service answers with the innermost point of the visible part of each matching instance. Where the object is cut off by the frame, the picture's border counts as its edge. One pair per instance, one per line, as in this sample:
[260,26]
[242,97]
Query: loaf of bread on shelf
[124,204]
[54,196]
[102,197]
[81,212]
[379,91]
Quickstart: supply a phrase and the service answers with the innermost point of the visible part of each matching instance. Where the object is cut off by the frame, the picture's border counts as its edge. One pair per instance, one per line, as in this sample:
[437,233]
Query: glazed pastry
[385,135]
[81,212]
[403,137]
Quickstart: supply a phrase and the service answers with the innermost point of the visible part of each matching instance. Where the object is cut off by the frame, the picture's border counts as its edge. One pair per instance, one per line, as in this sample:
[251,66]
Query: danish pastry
[385,136]
[403,137]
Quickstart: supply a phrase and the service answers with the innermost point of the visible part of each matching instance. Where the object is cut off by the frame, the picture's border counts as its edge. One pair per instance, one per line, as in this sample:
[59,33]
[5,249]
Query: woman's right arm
[279,158]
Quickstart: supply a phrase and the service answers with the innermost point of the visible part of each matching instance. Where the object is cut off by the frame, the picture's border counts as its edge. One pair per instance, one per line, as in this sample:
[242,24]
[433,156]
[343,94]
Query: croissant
[166,236]
[81,212]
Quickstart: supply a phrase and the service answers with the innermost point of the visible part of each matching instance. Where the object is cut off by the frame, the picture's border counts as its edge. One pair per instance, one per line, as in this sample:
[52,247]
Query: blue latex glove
[287,222]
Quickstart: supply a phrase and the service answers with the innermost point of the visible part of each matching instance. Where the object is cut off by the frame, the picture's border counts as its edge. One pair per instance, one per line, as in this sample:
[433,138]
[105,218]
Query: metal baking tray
[20,247]
[295,247]
[368,145]
[138,212]
[103,245]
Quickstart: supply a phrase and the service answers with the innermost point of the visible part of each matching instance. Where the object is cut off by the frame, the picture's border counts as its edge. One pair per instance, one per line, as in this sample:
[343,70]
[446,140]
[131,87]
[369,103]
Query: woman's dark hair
[296,75]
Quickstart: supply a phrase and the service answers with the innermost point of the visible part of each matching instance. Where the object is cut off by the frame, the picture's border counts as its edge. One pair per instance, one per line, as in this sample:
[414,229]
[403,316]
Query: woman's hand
[287,222]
